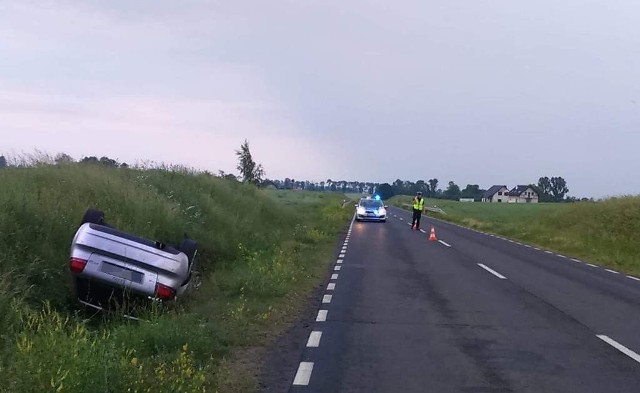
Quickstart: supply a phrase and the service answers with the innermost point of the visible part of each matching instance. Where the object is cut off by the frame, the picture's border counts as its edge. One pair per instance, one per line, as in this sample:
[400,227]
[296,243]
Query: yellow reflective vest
[418,204]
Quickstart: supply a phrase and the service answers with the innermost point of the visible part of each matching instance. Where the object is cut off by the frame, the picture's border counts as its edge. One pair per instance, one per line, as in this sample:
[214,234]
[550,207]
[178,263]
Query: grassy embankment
[261,253]
[604,232]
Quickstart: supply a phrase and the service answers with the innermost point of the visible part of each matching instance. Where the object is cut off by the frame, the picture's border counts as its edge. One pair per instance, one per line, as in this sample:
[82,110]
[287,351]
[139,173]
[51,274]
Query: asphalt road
[476,313]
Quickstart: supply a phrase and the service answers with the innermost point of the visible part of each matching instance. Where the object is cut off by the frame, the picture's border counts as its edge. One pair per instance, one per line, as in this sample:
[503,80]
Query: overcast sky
[486,92]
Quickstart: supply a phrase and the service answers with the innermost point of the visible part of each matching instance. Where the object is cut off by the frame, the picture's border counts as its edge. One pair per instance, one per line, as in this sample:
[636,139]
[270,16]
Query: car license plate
[121,272]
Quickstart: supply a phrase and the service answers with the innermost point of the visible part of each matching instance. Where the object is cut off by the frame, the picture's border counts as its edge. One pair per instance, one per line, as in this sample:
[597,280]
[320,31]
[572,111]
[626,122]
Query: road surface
[469,313]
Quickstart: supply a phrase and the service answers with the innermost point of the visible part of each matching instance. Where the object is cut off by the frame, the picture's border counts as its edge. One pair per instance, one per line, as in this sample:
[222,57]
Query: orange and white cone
[432,236]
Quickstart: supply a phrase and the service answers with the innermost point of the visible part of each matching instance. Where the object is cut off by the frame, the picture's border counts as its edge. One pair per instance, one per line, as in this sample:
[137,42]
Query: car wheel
[190,248]
[93,216]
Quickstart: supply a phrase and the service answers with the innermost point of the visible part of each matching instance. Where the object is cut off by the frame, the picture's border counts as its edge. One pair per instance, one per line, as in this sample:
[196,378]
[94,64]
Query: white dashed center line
[548,252]
[423,231]
[620,347]
[339,261]
[444,243]
[334,276]
[337,268]
[331,286]
[303,376]
[314,339]
[326,299]
[495,273]
[341,256]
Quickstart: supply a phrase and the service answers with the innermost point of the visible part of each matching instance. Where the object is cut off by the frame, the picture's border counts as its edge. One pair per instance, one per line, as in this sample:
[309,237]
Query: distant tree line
[39,158]
[552,189]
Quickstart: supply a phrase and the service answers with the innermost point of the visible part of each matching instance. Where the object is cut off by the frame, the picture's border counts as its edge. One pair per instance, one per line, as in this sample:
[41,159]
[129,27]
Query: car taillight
[77,265]
[164,292]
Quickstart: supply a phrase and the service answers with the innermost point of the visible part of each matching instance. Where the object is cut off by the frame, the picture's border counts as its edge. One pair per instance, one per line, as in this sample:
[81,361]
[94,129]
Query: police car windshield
[368,203]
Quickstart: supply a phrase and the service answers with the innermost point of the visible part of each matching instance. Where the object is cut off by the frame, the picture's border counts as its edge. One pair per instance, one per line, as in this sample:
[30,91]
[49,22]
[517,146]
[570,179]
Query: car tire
[190,248]
[93,216]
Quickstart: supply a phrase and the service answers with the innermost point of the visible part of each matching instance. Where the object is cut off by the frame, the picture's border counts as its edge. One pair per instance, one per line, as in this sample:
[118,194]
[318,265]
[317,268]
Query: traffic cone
[432,236]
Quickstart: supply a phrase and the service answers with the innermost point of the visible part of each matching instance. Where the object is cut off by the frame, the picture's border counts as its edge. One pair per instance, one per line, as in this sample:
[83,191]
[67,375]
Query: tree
[544,189]
[90,160]
[3,162]
[433,187]
[552,190]
[250,172]
[558,188]
[106,161]
[63,158]
[452,192]
[472,191]
[385,191]
[398,187]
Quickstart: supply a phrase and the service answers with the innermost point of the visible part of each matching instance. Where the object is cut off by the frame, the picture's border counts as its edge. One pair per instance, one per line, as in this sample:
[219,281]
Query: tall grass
[256,251]
[603,232]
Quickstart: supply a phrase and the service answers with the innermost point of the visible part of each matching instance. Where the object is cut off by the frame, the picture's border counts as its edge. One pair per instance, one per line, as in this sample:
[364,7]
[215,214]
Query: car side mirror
[386,206]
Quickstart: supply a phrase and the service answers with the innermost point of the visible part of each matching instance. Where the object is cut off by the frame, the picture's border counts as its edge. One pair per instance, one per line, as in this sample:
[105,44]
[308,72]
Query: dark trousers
[416,218]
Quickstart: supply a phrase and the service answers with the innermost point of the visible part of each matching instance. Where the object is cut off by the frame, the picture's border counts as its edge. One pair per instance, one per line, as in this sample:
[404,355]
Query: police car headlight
[382,212]
[361,210]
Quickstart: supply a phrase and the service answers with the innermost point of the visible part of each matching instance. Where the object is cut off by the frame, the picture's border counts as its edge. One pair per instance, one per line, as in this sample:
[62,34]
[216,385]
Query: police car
[371,209]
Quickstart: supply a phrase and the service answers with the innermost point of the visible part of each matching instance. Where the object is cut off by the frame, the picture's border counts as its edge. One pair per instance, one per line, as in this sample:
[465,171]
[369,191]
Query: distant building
[523,194]
[496,194]
[519,194]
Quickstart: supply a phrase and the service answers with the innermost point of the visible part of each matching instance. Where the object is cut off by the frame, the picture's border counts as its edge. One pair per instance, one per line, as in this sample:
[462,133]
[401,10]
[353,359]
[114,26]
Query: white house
[523,194]
[496,194]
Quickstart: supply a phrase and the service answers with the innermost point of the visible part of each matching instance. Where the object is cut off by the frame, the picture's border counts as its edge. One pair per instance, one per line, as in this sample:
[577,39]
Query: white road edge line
[334,276]
[337,268]
[303,376]
[339,261]
[331,286]
[634,278]
[495,273]
[576,260]
[591,264]
[444,243]
[619,347]
[326,299]
[341,256]
[548,252]
[322,315]
[612,271]
[314,339]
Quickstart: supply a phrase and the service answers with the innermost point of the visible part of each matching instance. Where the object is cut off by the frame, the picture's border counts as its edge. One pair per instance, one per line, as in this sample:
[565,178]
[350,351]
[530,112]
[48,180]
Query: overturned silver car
[111,266]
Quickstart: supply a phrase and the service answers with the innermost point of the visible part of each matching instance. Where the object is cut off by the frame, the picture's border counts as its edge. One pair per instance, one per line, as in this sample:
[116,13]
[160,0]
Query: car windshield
[367,204]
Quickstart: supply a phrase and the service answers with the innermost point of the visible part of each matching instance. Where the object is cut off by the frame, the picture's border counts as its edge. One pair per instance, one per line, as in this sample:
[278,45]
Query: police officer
[418,208]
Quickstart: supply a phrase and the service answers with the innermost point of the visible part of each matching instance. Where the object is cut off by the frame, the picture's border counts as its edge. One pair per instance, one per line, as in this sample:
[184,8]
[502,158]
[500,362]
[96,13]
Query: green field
[603,232]
[261,252]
